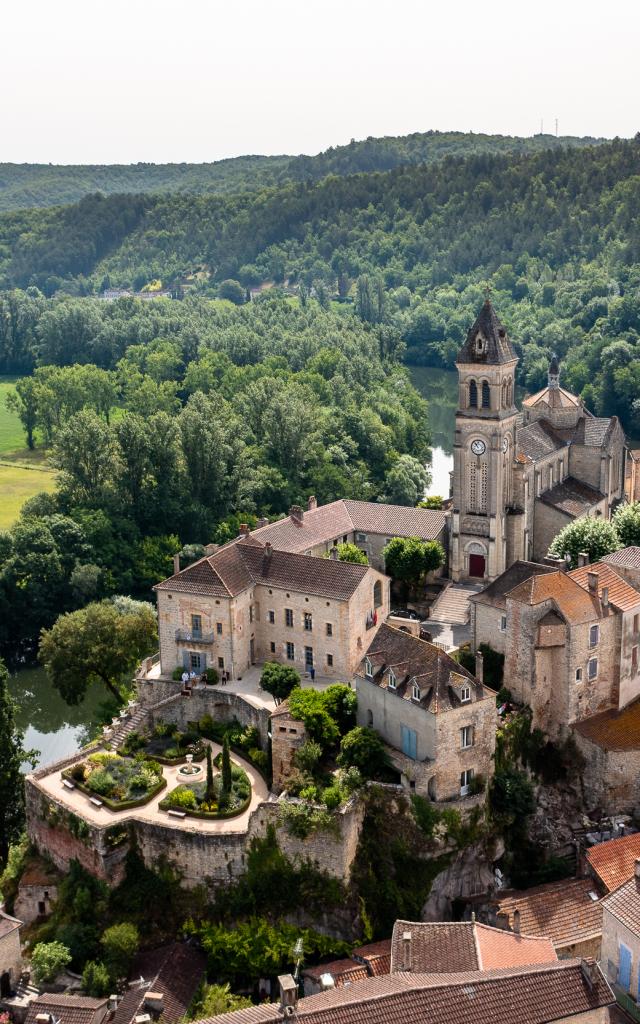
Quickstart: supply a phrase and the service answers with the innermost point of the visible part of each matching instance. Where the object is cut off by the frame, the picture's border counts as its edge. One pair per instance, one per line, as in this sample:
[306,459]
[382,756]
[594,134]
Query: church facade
[520,476]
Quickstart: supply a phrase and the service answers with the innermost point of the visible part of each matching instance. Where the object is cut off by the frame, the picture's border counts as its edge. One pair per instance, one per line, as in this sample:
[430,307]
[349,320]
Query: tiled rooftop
[495,593]
[624,904]
[68,1009]
[575,604]
[572,497]
[555,398]
[449,947]
[537,440]
[377,955]
[613,730]
[175,970]
[613,862]
[8,924]
[563,911]
[627,557]
[525,995]
[621,594]
[343,972]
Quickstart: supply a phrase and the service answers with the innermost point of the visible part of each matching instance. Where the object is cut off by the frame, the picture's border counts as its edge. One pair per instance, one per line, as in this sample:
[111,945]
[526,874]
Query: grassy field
[22,473]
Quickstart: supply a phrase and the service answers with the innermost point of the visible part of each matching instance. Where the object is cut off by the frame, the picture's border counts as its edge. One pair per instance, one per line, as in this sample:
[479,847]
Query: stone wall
[216,701]
[288,735]
[486,624]
[615,932]
[10,955]
[611,778]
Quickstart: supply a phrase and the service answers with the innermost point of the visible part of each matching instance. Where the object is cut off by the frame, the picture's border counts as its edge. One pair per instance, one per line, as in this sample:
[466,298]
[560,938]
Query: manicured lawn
[22,473]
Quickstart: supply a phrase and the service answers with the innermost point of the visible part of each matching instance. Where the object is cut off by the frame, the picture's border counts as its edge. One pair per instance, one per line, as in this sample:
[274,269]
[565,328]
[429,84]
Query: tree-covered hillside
[28,185]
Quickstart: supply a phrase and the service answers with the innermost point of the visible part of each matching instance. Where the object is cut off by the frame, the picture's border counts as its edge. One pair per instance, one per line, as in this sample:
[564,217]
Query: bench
[68,784]
[176,814]
[94,800]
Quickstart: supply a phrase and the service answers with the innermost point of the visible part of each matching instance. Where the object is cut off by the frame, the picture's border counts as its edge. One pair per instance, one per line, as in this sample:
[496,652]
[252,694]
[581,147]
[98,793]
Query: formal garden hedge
[166,744]
[119,782]
[191,797]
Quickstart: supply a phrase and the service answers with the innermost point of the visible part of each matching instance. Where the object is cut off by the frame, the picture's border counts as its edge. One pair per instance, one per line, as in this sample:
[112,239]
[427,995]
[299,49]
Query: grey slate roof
[628,558]
[537,440]
[573,497]
[498,347]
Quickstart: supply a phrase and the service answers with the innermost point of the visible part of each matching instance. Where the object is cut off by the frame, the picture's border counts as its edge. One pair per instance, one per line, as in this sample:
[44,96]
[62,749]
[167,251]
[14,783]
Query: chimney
[113,1003]
[592,577]
[334,552]
[516,922]
[262,522]
[244,530]
[176,563]
[605,597]
[636,867]
[479,667]
[288,994]
[42,1018]
[267,555]
[297,514]
[312,503]
[589,970]
[583,559]
[406,951]
[154,1001]
[210,549]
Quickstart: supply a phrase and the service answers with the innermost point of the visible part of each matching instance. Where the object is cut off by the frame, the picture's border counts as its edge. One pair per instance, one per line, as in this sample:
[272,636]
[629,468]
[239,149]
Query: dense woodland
[26,185]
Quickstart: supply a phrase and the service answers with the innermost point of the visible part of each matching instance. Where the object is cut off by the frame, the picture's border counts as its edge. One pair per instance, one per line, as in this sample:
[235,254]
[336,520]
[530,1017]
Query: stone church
[520,476]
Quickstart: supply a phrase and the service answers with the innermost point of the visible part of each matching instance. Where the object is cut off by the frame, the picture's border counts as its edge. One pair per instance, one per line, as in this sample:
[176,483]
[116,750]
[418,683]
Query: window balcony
[193,636]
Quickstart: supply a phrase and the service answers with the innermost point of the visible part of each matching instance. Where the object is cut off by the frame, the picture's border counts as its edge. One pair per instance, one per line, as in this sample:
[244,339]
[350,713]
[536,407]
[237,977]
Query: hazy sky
[117,81]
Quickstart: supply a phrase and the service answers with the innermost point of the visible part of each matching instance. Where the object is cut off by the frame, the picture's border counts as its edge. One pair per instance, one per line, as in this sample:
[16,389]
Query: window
[392,679]
[329,629]
[473,394]
[415,691]
[288,616]
[195,661]
[368,669]
[308,657]
[377,593]
[465,781]
[634,659]
[578,675]
[308,622]
[465,694]
[594,636]
[220,662]
[466,736]
[196,627]
[41,908]
[271,615]
[592,668]
[486,395]
[370,718]
[330,660]
[503,623]
[272,647]
[291,651]
[636,623]
[219,628]
[361,538]
[250,613]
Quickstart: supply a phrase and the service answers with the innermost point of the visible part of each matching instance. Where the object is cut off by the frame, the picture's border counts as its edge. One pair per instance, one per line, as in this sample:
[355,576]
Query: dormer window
[392,680]
[465,694]
[368,669]
[415,691]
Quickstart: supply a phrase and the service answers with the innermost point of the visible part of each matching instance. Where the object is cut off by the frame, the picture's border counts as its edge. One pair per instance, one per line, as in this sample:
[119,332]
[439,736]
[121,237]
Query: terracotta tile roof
[68,1009]
[498,347]
[498,948]
[175,970]
[495,594]
[555,398]
[573,497]
[377,956]
[563,911]
[331,522]
[621,594]
[38,872]
[627,557]
[575,604]
[343,972]
[449,947]
[624,904]
[613,862]
[244,563]
[8,924]
[527,995]
[537,440]
[438,676]
[613,730]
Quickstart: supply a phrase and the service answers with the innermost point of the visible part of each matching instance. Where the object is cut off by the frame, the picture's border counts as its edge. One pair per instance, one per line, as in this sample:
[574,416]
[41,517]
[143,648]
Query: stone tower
[483,450]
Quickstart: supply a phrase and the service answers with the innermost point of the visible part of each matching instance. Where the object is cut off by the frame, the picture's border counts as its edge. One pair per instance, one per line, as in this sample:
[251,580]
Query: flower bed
[166,744]
[190,797]
[120,782]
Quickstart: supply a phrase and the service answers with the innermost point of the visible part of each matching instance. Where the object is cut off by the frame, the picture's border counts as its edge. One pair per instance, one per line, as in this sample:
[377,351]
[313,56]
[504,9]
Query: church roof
[497,348]
[555,398]
[573,497]
[536,441]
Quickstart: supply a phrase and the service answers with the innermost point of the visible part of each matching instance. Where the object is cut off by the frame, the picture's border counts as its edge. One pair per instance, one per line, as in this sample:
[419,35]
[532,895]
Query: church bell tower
[483,451]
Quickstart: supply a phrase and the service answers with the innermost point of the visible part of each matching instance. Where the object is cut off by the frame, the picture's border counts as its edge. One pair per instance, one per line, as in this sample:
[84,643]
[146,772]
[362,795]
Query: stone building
[67,1009]
[10,955]
[621,940]
[37,891]
[626,562]
[287,736]
[249,602]
[610,745]
[567,912]
[519,477]
[438,720]
[488,608]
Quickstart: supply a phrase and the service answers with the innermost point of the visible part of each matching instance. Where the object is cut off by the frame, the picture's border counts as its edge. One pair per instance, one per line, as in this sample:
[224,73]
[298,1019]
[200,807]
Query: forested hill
[28,185]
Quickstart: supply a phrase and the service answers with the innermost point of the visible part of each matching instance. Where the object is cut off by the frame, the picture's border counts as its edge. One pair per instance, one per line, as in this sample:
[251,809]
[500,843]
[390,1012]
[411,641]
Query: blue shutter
[624,969]
[186,660]
[409,742]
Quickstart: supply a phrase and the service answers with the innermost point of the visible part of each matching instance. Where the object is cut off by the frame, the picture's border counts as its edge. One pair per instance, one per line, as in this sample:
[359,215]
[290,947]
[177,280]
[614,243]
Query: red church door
[476,565]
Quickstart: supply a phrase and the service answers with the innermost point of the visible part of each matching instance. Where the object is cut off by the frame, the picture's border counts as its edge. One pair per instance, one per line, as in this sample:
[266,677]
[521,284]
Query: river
[50,726]
[440,388]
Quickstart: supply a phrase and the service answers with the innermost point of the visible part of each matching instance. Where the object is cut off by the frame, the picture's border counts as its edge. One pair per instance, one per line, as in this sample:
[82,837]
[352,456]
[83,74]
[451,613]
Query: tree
[350,553]
[212,1000]
[362,748]
[12,757]
[120,943]
[626,520]
[24,402]
[96,980]
[406,481]
[232,290]
[409,559]
[341,703]
[225,772]
[85,451]
[597,537]
[279,680]
[48,959]
[103,642]
[310,707]
[209,793]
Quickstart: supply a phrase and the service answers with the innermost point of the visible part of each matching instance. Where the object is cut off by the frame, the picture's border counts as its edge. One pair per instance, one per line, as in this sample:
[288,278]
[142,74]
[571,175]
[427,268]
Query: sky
[123,81]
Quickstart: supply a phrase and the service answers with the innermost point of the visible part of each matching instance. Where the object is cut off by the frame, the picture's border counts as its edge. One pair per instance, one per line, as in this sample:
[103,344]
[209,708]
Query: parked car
[405,613]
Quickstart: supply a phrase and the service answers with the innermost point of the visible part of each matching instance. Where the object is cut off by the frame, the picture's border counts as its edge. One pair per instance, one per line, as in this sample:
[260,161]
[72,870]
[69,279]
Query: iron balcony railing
[194,636]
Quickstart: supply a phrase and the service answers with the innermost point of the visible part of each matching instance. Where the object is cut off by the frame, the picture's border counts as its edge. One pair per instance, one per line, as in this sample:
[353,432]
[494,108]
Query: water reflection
[440,388]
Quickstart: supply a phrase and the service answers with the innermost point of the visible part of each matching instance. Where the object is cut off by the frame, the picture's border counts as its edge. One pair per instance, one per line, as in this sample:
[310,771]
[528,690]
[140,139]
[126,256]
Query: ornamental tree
[626,520]
[120,943]
[350,553]
[278,680]
[225,771]
[362,748]
[48,959]
[409,559]
[597,537]
[12,757]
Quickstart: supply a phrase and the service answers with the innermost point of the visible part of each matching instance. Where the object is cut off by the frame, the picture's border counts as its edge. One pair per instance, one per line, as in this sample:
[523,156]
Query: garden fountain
[190,770]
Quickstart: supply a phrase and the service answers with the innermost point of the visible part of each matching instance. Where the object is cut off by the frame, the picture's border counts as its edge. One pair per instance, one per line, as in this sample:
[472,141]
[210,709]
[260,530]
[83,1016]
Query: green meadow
[22,473]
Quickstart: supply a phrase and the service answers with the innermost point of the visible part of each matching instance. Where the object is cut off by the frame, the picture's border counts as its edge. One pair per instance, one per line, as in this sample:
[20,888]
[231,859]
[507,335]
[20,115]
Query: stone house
[172,975]
[569,913]
[249,602]
[438,720]
[287,736]
[369,525]
[488,608]
[610,745]
[37,891]
[621,940]
[10,954]
[632,475]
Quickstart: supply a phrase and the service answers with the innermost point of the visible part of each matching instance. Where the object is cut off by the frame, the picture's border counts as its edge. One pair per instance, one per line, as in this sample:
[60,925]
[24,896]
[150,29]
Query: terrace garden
[119,782]
[166,744]
[222,795]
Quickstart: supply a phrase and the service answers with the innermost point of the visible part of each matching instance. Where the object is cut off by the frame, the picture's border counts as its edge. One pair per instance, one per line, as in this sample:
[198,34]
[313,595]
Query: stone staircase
[137,719]
[453,604]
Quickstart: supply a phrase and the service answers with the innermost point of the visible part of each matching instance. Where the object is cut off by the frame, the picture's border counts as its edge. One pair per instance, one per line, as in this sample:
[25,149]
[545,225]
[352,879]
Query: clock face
[505,443]
[478,447]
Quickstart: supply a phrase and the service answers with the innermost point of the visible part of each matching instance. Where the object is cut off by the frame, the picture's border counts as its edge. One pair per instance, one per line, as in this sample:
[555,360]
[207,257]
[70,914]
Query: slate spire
[487,341]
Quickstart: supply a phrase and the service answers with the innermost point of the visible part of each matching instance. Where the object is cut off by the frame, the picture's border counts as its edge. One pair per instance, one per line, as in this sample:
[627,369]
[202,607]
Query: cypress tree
[12,757]
[209,793]
[225,790]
